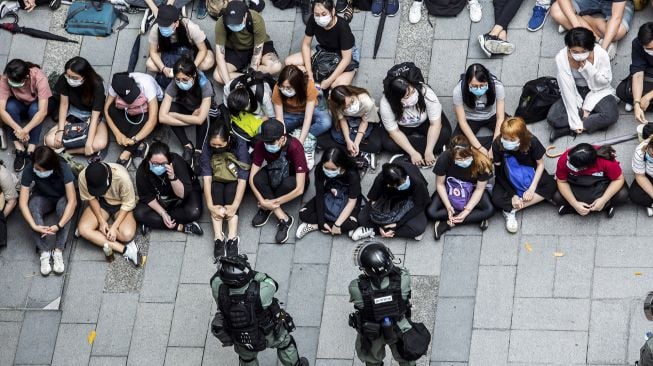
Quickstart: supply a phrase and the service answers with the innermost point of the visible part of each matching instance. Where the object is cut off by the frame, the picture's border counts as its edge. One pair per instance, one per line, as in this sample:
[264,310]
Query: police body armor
[386,303]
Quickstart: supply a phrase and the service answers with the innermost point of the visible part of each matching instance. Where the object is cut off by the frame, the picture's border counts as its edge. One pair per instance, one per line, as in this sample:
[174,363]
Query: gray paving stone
[116,319]
[460,261]
[191,317]
[565,225]
[123,47]
[336,341]
[615,252]
[44,290]
[11,315]
[99,51]
[520,21]
[551,314]
[493,306]
[448,363]
[9,332]
[547,67]
[162,272]
[332,362]
[107,361]
[452,28]
[5,43]
[72,347]
[573,277]
[306,294]
[388,41]
[85,251]
[37,337]
[499,247]
[307,340]
[453,329]
[278,32]
[85,278]
[446,67]
[198,266]
[276,261]
[486,23]
[556,347]
[552,41]
[618,283]
[17,278]
[178,356]
[150,337]
[424,258]
[489,347]
[512,98]
[17,248]
[536,269]
[167,236]
[213,351]
[315,249]
[527,46]
[608,337]
[638,328]
[29,48]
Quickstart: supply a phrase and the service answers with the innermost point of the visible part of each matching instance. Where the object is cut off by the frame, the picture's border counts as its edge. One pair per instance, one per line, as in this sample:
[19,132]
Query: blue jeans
[22,113]
[320,124]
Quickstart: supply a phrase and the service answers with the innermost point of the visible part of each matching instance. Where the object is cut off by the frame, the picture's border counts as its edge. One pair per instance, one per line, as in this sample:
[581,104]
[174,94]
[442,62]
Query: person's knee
[556,13]
[86,228]
[193,213]
[126,232]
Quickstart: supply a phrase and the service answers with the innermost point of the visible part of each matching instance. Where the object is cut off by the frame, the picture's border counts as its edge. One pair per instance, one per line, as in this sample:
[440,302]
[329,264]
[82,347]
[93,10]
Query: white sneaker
[395,157]
[183,12]
[45,263]
[561,29]
[649,211]
[8,6]
[475,10]
[57,257]
[628,107]
[511,222]
[419,237]
[361,233]
[132,253]
[415,12]
[612,50]
[305,229]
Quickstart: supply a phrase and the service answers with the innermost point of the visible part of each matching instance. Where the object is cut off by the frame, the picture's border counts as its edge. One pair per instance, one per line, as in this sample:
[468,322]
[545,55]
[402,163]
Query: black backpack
[285,4]
[414,343]
[406,70]
[255,83]
[445,8]
[536,99]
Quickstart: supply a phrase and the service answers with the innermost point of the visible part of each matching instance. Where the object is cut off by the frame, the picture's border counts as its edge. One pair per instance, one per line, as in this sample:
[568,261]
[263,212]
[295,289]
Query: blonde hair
[515,128]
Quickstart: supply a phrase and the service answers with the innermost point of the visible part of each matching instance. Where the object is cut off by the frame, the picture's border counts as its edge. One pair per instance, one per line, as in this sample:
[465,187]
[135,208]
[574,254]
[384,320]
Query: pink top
[36,87]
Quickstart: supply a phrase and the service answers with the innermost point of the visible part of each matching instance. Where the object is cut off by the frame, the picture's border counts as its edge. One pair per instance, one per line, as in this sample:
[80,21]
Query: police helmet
[374,259]
[235,271]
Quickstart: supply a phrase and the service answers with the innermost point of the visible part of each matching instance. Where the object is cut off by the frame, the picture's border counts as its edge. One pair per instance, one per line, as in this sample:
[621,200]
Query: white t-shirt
[640,165]
[367,109]
[147,84]
[411,117]
[483,111]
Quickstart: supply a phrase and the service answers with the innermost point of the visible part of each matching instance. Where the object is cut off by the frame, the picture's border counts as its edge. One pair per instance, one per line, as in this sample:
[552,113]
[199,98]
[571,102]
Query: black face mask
[219,150]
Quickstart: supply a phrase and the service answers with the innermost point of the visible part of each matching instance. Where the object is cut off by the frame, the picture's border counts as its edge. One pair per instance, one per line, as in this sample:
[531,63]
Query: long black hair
[17,70]
[397,90]
[92,81]
[157,147]
[223,131]
[329,5]
[44,157]
[193,96]
[645,33]
[393,174]
[580,37]
[241,99]
[584,155]
[297,80]
[482,74]
[339,157]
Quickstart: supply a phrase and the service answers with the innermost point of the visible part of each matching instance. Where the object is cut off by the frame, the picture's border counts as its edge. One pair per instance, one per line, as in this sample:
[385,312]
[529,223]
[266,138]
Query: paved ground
[501,298]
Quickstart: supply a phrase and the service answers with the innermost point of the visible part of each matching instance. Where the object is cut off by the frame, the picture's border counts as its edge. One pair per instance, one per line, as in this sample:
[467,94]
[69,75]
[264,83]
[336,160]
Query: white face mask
[353,108]
[323,21]
[289,93]
[648,52]
[73,82]
[411,100]
[580,56]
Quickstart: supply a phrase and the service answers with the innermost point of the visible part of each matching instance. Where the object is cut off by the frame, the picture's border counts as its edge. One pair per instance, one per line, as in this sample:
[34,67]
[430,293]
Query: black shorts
[112,210]
[242,59]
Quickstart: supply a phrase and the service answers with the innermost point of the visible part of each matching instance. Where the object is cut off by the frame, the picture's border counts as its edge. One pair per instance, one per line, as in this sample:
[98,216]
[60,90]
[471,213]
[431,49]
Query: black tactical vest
[378,304]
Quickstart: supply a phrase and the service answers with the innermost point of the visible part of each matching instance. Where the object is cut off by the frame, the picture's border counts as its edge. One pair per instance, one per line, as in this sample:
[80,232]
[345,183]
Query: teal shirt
[266,291]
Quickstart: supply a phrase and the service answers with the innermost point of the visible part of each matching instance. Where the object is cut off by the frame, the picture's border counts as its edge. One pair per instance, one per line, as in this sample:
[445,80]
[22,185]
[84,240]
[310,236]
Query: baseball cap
[126,87]
[234,12]
[272,130]
[98,178]
[168,14]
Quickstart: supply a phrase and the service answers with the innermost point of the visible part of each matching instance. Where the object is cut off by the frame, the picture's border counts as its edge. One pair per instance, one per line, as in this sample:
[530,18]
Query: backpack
[334,204]
[278,170]
[459,192]
[225,167]
[255,83]
[445,8]
[389,210]
[536,99]
[285,4]
[406,70]
[246,125]
[414,343]
[93,18]
[646,353]
[520,176]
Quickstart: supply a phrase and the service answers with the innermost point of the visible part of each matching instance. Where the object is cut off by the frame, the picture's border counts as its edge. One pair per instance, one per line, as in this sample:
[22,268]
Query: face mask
[464,163]
[331,173]
[288,93]
[42,174]
[184,85]
[571,167]
[509,145]
[580,56]
[219,150]
[272,148]
[648,52]
[478,91]
[14,84]
[323,21]
[411,100]
[236,27]
[157,169]
[166,31]
[353,108]
[73,82]
[404,186]
[649,158]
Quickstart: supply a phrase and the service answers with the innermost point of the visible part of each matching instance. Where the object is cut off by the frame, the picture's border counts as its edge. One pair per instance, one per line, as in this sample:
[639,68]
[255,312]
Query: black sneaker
[283,228]
[19,161]
[440,228]
[261,217]
[196,162]
[124,162]
[557,133]
[142,150]
[54,4]
[484,225]
[232,247]
[610,211]
[145,229]
[565,210]
[147,21]
[348,12]
[188,154]
[303,362]
[305,5]
[193,228]
[341,5]
[218,248]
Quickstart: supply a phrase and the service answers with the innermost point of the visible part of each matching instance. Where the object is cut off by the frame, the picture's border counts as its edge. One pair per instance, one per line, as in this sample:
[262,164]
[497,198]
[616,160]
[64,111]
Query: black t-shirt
[446,166]
[640,60]
[529,158]
[350,178]
[75,97]
[53,186]
[151,186]
[339,38]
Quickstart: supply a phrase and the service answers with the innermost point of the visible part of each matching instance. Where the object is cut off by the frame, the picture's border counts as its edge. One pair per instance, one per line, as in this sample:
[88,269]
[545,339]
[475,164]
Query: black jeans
[504,11]
[372,144]
[201,131]
[618,199]
[308,214]
[410,229]
[185,212]
[126,127]
[502,198]
[262,184]
[417,137]
[476,126]
[482,211]
[625,90]
[638,195]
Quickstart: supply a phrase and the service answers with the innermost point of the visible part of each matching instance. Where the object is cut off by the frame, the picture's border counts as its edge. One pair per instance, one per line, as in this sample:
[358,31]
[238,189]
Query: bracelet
[336,225]
[173,178]
[360,132]
[58,226]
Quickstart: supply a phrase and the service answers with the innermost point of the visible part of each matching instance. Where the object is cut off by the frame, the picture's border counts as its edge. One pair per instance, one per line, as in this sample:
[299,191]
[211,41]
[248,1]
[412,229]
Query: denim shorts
[604,7]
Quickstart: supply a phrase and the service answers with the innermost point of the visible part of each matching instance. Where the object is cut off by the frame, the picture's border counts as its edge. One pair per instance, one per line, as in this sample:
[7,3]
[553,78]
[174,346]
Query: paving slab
[551,314]
[306,293]
[9,333]
[117,315]
[12,315]
[619,283]
[608,337]
[536,268]
[336,341]
[85,278]
[446,67]
[191,316]
[162,272]
[17,279]
[107,361]
[424,258]
[276,261]
[453,329]
[573,277]
[72,347]
[614,251]
[307,341]
[197,266]
[498,247]
[493,306]
[278,31]
[555,347]
[183,356]
[460,261]
[100,50]
[489,347]
[37,337]
[214,351]
[314,249]
[44,290]
[150,337]
[341,268]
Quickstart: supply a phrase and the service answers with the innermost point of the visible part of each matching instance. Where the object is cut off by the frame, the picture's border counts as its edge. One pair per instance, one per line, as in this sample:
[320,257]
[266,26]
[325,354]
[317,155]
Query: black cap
[234,12]
[272,130]
[98,178]
[126,87]
[168,14]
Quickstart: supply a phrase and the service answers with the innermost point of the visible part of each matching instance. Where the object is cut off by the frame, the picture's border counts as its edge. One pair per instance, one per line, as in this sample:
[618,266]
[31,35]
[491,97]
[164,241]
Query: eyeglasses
[158,164]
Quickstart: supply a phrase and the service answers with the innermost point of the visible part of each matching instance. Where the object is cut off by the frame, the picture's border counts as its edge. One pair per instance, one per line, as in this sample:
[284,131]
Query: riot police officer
[381,299]
[249,316]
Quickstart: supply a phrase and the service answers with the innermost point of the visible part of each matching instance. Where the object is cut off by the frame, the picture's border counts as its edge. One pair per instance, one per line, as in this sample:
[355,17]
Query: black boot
[557,133]
[302,362]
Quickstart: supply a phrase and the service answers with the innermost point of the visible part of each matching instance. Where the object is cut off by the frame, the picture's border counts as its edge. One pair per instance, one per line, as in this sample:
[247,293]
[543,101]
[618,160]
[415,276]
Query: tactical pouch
[217,329]
[371,330]
[355,320]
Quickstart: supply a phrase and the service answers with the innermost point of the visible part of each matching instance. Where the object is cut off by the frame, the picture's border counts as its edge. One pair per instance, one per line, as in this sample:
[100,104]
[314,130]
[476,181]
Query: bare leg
[89,229]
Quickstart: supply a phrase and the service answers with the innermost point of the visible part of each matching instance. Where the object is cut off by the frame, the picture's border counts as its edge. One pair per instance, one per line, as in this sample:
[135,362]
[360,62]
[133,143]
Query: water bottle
[108,252]
[388,331]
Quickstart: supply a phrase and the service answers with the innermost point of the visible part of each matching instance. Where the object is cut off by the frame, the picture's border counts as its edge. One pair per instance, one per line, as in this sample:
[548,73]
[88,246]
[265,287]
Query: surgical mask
[404,186]
[236,27]
[42,174]
[157,169]
[648,52]
[272,148]
[411,100]
[323,21]
[288,93]
[74,82]
[353,108]
[14,84]
[478,91]
[184,85]
[166,31]
[509,145]
[580,56]
[465,163]
[648,157]
[571,167]
[331,173]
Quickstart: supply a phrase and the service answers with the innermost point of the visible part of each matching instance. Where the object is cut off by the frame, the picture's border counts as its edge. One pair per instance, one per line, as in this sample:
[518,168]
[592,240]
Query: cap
[168,14]
[98,178]
[126,87]
[234,12]
[272,130]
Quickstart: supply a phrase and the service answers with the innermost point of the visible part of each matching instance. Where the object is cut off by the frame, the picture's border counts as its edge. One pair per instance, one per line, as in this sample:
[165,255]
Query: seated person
[609,20]
[152,10]
[521,180]
[413,120]
[641,190]
[8,199]
[637,89]
[28,5]
[259,88]
[245,115]
[358,115]
[81,94]
[299,105]
[172,37]
[25,101]
[53,191]
[479,101]
[281,180]
[399,195]
[460,198]
[187,102]
[589,179]
[333,36]
[170,196]
[108,189]
[242,43]
[132,111]
[335,207]
[224,191]
[584,76]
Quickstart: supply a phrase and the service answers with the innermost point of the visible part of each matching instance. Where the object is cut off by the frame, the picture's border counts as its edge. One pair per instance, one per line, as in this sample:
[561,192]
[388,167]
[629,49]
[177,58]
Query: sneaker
[193,228]
[8,6]
[511,221]
[303,362]
[54,5]
[188,154]
[348,12]
[305,229]
[628,107]
[561,29]
[142,150]
[538,18]
[148,21]
[649,211]
[371,158]
[305,6]
[609,211]
[261,217]
[132,253]
[94,158]
[124,162]
[415,12]
[565,210]
[309,150]
[392,7]
[482,39]
[640,131]
[218,248]
[197,157]
[145,229]
[57,258]
[183,12]
[612,50]
[556,133]
[45,263]
[232,247]
[201,9]
[341,5]
[484,225]
[3,139]
[283,227]
[256,5]
[19,161]
[361,232]
[395,157]
[419,237]
[377,7]
[439,228]
[499,46]
[475,10]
